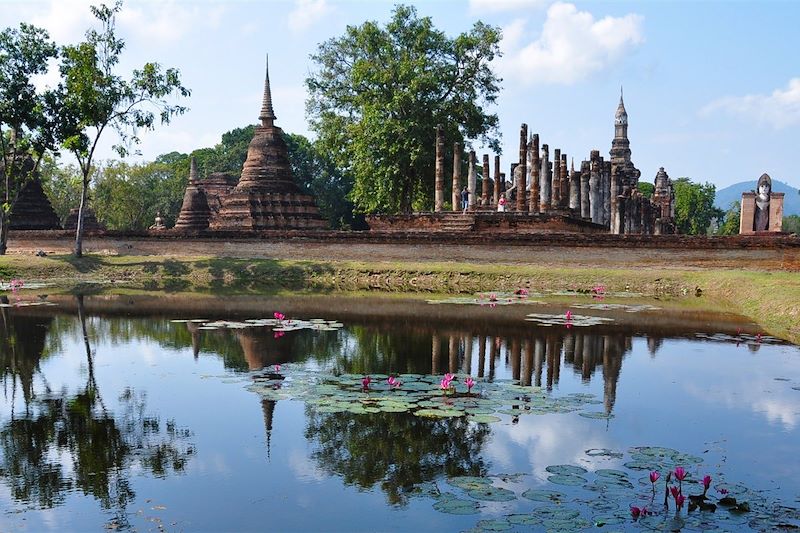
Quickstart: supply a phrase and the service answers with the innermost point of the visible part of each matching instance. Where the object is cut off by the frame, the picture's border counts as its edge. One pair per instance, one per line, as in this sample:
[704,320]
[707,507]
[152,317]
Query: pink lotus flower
[635,512]
[16,284]
[569,314]
[493,297]
[365,381]
[444,384]
[278,316]
[449,377]
[277,368]
[706,482]
[393,381]
[469,383]
[680,473]
[654,476]
[722,491]
[679,499]
[675,491]
[522,292]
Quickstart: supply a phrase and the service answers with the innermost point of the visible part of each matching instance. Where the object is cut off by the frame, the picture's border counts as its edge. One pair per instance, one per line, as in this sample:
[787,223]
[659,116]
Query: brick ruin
[33,210]
[603,192]
[265,197]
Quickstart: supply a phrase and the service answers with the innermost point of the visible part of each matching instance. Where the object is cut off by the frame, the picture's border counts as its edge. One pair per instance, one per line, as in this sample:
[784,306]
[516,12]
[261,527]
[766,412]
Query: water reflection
[397,451]
[70,440]
[76,439]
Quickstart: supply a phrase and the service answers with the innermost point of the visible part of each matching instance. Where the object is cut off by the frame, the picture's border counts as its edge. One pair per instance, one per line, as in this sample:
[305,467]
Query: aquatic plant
[469,382]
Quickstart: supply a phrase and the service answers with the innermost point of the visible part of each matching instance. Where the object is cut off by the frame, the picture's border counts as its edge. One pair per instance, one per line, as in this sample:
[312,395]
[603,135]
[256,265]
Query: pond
[191,413]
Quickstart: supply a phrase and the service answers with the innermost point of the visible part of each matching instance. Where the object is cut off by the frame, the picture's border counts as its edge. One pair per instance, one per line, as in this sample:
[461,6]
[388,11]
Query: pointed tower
[621,146]
[266,196]
[195,213]
[33,209]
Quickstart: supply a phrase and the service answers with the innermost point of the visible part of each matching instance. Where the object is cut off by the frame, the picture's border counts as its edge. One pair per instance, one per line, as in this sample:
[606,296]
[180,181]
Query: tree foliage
[379,92]
[791,224]
[128,197]
[97,99]
[694,206]
[730,224]
[27,116]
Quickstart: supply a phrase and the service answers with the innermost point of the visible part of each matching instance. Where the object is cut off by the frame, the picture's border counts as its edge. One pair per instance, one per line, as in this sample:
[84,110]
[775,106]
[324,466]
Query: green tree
[646,188]
[27,123]
[379,92]
[128,197]
[791,224]
[694,206]
[730,226]
[61,184]
[97,99]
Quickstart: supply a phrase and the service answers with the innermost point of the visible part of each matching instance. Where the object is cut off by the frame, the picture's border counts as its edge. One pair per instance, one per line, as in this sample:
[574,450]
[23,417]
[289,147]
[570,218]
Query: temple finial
[267,115]
[193,171]
[620,94]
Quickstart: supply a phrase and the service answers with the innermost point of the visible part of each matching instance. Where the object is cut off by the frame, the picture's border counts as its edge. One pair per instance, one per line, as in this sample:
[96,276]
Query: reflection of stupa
[267,196]
[22,341]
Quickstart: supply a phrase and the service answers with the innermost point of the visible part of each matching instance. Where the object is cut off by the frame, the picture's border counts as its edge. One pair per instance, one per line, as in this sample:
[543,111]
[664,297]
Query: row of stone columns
[541,187]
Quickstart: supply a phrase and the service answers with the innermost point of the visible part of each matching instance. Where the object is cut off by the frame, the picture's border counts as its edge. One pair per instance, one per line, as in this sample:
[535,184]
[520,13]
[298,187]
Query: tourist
[501,204]
[464,199]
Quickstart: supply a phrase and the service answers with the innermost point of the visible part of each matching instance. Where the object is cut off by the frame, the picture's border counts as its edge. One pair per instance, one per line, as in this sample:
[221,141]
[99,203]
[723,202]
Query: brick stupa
[266,196]
[33,210]
[195,213]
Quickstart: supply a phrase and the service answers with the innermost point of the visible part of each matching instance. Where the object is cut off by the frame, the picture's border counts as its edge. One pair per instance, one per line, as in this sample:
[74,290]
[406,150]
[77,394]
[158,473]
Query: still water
[169,413]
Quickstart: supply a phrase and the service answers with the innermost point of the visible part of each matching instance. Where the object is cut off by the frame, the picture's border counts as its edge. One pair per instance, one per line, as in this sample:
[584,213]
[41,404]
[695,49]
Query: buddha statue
[761,215]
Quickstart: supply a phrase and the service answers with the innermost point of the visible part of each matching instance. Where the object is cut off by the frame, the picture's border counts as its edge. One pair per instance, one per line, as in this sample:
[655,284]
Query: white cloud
[571,46]
[169,22]
[65,20]
[779,109]
[494,6]
[306,13]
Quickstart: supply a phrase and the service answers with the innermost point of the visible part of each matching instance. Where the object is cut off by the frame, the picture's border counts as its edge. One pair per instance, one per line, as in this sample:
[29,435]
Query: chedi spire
[267,115]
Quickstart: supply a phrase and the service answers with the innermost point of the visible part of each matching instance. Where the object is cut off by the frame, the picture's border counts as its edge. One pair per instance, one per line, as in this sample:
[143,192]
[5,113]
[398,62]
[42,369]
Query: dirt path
[632,257]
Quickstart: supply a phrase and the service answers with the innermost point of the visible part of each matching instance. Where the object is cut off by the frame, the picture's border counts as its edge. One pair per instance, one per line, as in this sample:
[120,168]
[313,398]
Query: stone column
[538,361]
[594,188]
[466,365]
[575,191]
[564,176]
[544,181]
[533,151]
[523,165]
[456,177]
[616,229]
[526,368]
[606,186]
[555,187]
[438,201]
[585,205]
[485,185]
[516,357]
[497,189]
[472,179]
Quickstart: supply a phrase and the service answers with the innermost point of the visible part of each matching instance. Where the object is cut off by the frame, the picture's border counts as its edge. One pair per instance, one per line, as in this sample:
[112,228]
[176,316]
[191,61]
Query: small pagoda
[195,213]
[33,210]
[266,197]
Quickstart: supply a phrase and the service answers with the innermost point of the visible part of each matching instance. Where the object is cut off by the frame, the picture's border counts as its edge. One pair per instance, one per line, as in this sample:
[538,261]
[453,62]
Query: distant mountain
[791,201]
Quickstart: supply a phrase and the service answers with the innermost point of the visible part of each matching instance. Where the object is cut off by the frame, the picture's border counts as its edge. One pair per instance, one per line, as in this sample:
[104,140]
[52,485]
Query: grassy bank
[771,299]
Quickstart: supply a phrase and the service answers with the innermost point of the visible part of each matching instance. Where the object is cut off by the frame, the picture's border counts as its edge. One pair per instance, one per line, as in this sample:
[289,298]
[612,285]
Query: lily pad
[494,524]
[450,504]
[490,493]
[469,482]
[569,470]
[542,495]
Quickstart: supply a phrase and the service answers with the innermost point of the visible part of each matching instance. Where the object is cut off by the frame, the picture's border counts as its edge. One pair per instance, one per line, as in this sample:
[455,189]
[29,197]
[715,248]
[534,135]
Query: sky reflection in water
[177,440]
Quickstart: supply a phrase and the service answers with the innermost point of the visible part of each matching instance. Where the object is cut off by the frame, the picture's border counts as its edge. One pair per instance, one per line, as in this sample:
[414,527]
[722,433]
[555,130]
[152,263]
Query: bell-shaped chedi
[90,222]
[266,196]
[195,213]
[33,211]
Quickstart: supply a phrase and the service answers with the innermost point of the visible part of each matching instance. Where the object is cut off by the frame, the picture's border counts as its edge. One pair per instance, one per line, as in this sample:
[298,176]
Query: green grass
[771,299]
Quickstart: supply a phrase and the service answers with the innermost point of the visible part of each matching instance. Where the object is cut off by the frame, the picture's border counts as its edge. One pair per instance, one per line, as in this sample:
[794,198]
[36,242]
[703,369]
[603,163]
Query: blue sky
[712,89]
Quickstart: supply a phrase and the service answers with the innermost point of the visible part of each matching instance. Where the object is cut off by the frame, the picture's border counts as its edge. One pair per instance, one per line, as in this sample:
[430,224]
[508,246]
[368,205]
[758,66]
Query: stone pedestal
[748,211]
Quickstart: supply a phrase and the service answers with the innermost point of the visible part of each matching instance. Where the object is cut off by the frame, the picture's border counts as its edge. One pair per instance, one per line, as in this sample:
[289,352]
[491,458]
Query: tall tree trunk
[79,231]
[5,221]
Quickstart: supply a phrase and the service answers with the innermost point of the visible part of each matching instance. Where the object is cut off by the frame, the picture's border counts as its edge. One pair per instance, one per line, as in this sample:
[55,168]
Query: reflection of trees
[72,441]
[397,450]
[22,343]
[68,442]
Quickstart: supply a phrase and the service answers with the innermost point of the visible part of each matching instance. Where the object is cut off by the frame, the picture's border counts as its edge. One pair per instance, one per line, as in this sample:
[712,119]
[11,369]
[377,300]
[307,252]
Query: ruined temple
[266,196]
[33,210]
[90,222]
[195,213]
